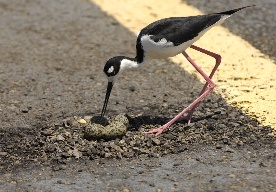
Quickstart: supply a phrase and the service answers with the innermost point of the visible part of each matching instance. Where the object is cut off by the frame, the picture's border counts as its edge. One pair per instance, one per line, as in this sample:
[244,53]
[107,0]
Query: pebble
[60,138]
[126,190]
[152,184]
[231,175]
[234,124]
[3,153]
[132,88]
[222,126]
[47,132]
[61,182]
[82,121]
[60,167]
[228,149]
[25,110]
[156,141]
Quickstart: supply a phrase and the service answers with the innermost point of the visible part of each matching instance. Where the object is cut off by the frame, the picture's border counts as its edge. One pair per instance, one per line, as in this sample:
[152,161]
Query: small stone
[126,190]
[67,134]
[221,126]
[25,110]
[234,124]
[156,141]
[217,112]
[141,151]
[132,88]
[3,153]
[61,182]
[60,138]
[231,175]
[87,118]
[66,154]
[228,149]
[76,153]
[152,184]
[118,148]
[262,164]
[50,148]
[47,132]
[61,167]
[82,121]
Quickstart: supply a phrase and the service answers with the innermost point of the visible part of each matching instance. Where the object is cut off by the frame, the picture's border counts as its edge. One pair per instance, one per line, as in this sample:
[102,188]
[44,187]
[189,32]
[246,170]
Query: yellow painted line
[246,78]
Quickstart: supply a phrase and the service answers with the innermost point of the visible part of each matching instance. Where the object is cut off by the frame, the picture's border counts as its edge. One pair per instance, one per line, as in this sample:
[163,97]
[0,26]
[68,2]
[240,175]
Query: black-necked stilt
[167,38]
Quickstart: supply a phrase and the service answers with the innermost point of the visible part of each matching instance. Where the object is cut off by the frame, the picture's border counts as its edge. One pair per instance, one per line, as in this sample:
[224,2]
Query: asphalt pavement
[52,54]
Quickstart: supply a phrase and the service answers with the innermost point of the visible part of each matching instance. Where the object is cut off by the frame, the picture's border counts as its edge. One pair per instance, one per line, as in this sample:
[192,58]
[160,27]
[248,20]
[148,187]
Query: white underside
[165,49]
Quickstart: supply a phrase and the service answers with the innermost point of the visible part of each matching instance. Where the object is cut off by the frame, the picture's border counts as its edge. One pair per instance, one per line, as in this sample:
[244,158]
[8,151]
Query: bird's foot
[158,131]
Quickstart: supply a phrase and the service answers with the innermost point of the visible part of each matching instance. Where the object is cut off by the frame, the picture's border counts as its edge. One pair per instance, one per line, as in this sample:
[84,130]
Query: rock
[234,124]
[156,141]
[222,126]
[263,164]
[60,138]
[24,110]
[151,183]
[132,88]
[50,148]
[66,154]
[141,151]
[75,153]
[61,182]
[87,118]
[47,132]
[82,121]
[3,153]
[126,190]
[60,167]
[231,175]
[228,149]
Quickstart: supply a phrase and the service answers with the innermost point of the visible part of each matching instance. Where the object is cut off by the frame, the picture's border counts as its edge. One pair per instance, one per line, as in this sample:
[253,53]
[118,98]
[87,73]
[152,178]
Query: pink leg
[211,84]
[218,61]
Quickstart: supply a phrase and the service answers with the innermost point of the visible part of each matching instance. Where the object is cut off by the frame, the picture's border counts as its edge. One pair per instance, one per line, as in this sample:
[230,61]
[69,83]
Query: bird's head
[112,70]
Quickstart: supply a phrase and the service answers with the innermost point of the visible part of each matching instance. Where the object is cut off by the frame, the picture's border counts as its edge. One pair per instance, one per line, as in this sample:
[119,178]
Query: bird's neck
[128,63]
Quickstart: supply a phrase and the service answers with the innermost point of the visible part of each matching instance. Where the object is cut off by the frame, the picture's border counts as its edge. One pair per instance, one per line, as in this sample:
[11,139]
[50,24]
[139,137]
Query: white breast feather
[160,49]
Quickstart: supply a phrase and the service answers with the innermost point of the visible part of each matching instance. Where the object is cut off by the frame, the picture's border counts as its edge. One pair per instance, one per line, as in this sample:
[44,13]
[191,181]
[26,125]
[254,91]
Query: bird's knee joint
[218,58]
[212,86]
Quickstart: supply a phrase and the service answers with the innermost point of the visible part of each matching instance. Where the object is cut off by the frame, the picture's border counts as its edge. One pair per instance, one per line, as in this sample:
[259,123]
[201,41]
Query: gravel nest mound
[59,142]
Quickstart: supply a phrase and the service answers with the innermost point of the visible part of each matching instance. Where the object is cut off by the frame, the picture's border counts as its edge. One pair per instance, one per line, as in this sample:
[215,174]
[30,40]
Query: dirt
[52,55]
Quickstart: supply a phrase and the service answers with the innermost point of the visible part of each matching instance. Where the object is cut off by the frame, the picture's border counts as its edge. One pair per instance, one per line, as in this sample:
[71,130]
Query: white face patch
[110,70]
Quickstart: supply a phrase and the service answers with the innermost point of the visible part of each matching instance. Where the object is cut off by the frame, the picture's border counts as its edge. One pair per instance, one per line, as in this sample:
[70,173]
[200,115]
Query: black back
[178,29]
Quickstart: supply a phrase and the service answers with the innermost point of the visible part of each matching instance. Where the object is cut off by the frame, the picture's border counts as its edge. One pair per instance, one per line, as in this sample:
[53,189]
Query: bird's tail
[233,11]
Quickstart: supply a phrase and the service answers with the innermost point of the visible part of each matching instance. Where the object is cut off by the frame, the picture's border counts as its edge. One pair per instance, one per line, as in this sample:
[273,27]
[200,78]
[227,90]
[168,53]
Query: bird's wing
[179,29]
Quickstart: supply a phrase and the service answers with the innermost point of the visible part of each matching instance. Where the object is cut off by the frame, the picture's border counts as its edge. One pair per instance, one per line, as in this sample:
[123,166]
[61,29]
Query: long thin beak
[108,91]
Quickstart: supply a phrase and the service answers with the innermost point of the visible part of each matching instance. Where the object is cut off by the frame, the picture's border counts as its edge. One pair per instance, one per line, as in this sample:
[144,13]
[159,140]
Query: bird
[165,38]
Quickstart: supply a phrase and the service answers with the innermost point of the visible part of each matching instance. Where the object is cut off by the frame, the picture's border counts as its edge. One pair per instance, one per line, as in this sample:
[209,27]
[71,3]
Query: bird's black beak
[108,91]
